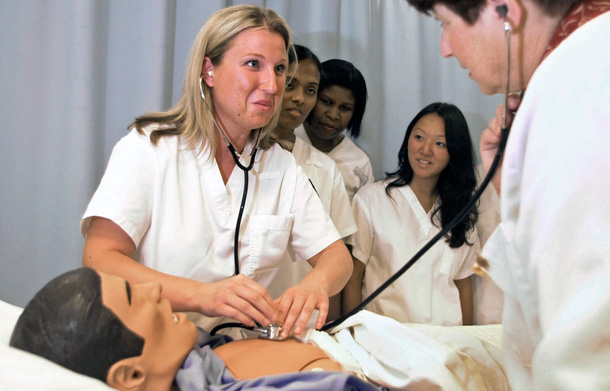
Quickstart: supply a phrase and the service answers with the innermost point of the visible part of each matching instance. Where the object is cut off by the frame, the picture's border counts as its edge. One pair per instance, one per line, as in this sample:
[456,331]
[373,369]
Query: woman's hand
[490,138]
[240,298]
[298,303]
[332,267]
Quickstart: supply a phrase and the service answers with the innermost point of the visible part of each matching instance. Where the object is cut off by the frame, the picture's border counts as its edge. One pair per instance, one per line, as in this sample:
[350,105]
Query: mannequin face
[168,338]
[300,95]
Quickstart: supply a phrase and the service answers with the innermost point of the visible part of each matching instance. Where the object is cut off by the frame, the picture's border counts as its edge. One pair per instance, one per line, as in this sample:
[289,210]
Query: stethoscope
[245,169]
[273,331]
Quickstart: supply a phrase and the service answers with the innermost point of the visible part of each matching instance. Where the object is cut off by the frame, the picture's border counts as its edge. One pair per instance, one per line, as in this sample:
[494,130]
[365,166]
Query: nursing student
[341,104]
[169,203]
[299,99]
[399,215]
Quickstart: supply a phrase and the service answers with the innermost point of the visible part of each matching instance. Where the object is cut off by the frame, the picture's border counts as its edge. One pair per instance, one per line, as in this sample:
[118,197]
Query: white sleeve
[125,194]
[362,240]
[313,230]
[488,207]
[468,255]
[368,170]
[340,208]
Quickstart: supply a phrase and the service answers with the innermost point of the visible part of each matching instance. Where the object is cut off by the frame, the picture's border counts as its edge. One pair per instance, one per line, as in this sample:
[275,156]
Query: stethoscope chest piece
[272,332]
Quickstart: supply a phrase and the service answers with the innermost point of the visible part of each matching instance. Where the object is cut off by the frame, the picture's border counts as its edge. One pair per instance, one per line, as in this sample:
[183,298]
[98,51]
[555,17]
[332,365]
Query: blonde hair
[188,117]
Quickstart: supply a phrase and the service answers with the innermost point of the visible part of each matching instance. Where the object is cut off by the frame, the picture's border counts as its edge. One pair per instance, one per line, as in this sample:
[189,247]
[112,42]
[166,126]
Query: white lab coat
[389,233]
[551,252]
[174,205]
[328,183]
[353,163]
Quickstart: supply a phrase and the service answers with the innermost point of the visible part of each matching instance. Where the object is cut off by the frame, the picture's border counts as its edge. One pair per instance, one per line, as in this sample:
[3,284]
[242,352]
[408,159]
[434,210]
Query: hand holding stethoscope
[491,136]
[239,297]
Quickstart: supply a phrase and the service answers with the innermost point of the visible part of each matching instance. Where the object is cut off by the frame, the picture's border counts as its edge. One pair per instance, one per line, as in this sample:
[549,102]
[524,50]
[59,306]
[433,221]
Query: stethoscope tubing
[245,169]
[242,204]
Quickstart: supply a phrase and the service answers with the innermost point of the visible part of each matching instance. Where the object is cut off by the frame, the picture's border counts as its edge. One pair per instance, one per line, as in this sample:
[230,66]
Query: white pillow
[8,317]
[20,370]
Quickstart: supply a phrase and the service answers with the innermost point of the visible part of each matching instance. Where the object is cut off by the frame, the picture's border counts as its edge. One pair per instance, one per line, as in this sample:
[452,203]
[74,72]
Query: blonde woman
[174,208]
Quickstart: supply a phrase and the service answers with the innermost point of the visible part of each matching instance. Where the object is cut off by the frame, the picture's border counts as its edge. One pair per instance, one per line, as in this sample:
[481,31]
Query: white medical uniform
[487,296]
[551,252]
[174,205]
[353,163]
[328,183]
[389,233]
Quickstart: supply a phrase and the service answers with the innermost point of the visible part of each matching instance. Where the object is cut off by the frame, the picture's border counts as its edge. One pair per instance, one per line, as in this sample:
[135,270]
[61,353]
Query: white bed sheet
[425,357]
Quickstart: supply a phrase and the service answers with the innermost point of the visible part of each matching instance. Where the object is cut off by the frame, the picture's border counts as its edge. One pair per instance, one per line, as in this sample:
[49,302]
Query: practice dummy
[128,336]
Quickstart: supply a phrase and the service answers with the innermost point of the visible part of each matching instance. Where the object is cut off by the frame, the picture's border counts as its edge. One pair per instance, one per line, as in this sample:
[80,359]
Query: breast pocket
[269,237]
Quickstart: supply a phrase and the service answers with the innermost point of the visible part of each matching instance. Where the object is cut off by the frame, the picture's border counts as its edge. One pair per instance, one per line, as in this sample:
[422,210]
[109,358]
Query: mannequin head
[101,326]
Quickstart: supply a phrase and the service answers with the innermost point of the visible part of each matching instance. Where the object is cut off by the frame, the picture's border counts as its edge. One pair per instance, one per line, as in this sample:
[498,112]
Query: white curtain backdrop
[74,74]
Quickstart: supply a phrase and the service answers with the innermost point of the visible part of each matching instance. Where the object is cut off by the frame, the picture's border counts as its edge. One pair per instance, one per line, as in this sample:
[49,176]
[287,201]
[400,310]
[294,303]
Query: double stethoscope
[273,331]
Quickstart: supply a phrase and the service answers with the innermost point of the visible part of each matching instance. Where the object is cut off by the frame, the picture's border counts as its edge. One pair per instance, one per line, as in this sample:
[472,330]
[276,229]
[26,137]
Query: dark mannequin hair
[67,323]
[344,74]
[457,182]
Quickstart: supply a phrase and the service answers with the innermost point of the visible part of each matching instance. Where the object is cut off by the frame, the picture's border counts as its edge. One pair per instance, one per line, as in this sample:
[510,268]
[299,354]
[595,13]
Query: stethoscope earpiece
[502,10]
